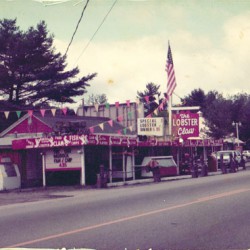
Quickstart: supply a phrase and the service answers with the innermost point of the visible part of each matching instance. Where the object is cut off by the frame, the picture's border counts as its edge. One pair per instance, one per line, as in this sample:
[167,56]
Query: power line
[97,30]
[80,19]
[177,96]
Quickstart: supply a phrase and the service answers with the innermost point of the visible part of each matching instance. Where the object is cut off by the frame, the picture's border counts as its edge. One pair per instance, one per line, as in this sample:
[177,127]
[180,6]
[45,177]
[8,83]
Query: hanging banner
[104,140]
[185,125]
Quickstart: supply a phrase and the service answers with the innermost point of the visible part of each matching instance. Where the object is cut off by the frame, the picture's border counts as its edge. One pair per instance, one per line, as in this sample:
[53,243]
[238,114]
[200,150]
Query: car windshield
[225,153]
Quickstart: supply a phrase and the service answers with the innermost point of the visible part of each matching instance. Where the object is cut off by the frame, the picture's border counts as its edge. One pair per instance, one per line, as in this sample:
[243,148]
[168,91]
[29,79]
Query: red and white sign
[185,125]
[63,159]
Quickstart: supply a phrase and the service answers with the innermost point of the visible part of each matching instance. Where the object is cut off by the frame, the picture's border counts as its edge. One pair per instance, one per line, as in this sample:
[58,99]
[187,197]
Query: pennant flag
[91,130]
[107,105]
[131,128]
[171,85]
[42,111]
[6,113]
[110,122]
[30,112]
[116,104]
[128,103]
[156,111]
[156,97]
[75,110]
[96,107]
[146,98]
[64,110]
[161,106]
[120,118]
[101,125]
[53,111]
[130,115]
[18,113]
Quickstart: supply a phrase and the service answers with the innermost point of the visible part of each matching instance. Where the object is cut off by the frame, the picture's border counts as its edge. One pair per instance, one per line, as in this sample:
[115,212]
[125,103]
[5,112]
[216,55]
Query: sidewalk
[39,193]
[150,180]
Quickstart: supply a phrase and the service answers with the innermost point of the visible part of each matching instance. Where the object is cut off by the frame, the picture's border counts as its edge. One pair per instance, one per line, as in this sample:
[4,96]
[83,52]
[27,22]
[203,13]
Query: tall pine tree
[31,72]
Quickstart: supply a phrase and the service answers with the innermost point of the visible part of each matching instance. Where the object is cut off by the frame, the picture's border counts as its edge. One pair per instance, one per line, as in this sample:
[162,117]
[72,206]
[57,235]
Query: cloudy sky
[126,41]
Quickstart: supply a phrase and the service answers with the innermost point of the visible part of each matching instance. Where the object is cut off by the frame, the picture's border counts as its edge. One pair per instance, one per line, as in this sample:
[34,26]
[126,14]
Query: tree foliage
[31,72]
[221,112]
[148,97]
[196,98]
[97,99]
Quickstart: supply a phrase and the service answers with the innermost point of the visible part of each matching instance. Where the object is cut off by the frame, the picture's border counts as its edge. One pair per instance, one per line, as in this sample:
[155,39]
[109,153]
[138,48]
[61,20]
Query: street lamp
[237,124]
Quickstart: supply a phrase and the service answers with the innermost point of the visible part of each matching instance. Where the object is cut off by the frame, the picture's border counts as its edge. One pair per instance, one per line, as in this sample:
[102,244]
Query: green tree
[218,116]
[196,98]
[31,72]
[216,110]
[97,99]
[147,97]
[241,114]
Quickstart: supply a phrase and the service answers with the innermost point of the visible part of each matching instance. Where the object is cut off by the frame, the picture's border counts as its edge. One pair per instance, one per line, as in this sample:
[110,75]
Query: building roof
[99,125]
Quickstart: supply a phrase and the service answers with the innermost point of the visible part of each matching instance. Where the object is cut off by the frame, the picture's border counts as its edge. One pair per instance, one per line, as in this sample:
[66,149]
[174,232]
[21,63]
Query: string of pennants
[30,112]
[129,114]
[120,118]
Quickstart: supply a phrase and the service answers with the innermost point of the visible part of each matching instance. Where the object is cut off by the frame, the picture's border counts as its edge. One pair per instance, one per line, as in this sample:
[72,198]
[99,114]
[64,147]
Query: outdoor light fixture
[237,124]
[181,141]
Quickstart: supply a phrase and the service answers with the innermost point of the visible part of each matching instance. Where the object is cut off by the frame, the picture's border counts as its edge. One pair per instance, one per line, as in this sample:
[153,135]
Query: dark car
[246,154]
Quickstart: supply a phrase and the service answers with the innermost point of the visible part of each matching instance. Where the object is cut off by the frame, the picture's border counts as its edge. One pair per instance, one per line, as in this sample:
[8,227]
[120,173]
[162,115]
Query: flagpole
[170,87]
[170,117]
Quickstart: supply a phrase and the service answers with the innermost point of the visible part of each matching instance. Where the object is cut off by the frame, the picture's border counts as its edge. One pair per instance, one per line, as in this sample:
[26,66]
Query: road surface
[204,213]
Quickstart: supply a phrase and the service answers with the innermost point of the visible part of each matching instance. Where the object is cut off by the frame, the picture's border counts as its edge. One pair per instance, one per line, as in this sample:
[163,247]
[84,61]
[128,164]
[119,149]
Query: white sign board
[63,159]
[150,126]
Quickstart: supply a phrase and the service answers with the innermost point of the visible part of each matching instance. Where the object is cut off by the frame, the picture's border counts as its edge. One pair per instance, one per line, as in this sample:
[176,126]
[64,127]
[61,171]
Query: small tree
[31,72]
[97,99]
[148,97]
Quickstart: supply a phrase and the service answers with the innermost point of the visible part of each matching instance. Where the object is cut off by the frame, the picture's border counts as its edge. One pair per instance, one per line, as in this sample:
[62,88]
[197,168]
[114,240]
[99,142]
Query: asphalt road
[203,213]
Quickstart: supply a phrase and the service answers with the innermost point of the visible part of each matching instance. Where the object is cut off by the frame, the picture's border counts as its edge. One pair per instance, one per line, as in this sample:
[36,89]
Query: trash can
[212,163]
[204,169]
[156,174]
[101,178]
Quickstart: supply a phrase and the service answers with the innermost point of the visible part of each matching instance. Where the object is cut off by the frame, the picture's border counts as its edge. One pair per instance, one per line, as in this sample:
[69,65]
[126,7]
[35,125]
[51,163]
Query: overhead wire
[178,96]
[79,21]
[105,17]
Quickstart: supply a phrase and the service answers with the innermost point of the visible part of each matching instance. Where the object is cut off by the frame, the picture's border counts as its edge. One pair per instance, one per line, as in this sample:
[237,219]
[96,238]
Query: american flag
[171,76]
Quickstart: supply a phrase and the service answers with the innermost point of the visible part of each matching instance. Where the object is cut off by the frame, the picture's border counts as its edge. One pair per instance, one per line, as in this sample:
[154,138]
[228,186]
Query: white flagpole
[170,117]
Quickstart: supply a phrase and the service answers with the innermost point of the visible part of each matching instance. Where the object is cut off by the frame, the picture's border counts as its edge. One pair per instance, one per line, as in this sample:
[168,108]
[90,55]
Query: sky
[126,41]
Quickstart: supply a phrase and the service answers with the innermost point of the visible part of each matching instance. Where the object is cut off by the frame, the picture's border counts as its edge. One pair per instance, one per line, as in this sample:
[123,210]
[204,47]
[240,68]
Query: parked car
[226,157]
[246,154]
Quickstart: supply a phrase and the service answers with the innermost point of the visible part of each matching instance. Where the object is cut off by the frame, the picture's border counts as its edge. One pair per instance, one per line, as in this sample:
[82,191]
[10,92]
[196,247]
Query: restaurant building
[62,149]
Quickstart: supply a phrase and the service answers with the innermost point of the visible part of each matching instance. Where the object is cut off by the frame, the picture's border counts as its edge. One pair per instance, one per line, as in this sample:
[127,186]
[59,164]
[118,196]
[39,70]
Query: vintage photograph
[124,124]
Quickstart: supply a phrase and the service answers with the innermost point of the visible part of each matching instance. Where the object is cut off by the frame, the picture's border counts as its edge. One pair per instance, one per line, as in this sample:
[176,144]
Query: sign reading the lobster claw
[185,125]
